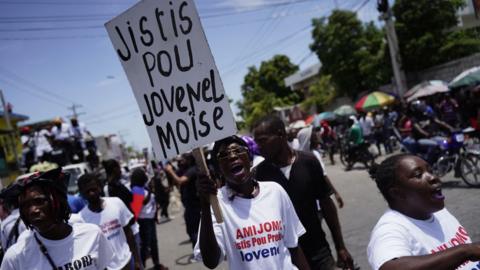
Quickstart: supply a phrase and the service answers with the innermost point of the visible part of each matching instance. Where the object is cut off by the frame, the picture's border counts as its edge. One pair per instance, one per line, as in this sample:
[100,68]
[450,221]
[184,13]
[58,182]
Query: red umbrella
[309,119]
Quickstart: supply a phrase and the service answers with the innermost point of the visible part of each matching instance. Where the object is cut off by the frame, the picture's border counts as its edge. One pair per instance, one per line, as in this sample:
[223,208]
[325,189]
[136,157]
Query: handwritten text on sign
[168,62]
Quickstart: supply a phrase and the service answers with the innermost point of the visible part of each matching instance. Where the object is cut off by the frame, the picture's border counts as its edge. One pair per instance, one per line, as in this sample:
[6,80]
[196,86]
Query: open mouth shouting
[437,194]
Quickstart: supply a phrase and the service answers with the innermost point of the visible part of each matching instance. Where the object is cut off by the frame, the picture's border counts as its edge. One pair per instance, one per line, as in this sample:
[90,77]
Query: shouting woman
[417,232]
[261,228]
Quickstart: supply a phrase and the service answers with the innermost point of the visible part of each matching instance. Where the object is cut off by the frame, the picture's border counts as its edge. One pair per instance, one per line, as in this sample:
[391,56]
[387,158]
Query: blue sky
[54,53]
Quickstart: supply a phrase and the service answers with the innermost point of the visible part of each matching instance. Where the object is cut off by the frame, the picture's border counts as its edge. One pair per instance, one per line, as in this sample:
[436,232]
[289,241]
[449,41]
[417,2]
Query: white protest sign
[165,54]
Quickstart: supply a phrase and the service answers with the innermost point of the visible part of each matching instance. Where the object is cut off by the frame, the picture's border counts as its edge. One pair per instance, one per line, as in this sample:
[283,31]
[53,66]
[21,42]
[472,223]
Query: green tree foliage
[320,94]
[426,34]
[264,88]
[352,52]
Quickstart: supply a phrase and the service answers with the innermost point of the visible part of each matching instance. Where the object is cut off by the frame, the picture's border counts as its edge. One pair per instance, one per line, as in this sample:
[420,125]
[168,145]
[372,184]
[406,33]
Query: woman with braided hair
[417,231]
[50,241]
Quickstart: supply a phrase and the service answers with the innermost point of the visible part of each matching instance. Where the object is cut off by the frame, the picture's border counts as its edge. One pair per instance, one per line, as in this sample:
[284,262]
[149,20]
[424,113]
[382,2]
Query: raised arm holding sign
[165,54]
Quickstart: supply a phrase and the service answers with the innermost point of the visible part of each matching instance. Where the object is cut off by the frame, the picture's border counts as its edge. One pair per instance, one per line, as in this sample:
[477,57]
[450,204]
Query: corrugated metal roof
[303,75]
[15,116]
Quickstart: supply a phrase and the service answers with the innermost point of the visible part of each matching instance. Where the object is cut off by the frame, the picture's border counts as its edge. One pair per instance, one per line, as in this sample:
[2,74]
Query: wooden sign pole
[202,166]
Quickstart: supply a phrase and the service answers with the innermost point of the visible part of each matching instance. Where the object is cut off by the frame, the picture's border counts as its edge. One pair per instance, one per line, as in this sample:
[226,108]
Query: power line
[66,3]
[361,6]
[36,29]
[109,111]
[32,85]
[56,37]
[262,51]
[112,117]
[73,108]
[109,15]
[308,55]
[33,93]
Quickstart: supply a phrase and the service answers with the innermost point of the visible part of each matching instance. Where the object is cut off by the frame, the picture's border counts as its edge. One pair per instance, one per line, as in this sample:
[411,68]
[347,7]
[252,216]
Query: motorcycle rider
[355,139]
[425,130]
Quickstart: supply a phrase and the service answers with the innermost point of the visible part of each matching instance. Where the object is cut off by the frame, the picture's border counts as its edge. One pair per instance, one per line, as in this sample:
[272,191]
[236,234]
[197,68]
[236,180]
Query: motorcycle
[351,154]
[452,155]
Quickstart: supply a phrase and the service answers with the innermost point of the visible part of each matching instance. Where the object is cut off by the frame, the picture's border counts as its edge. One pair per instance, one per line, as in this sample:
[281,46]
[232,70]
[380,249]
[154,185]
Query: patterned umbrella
[329,116]
[374,100]
[309,119]
[345,110]
[469,77]
[426,88]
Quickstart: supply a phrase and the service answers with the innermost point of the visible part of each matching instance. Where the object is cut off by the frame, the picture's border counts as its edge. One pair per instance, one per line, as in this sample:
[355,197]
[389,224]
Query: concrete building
[469,16]
[301,80]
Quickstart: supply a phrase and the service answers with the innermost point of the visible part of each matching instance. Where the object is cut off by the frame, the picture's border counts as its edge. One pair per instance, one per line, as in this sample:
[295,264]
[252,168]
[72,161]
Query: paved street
[363,206]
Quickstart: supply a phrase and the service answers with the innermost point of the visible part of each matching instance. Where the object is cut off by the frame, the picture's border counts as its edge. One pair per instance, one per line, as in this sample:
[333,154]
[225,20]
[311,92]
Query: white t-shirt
[61,133]
[75,218]
[85,248]
[397,235]
[125,182]
[7,226]
[257,160]
[294,144]
[114,216]
[41,142]
[366,124]
[148,210]
[256,233]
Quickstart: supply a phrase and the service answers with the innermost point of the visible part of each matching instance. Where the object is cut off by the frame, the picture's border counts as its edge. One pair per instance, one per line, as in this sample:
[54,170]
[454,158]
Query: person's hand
[339,200]
[168,167]
[137,266]
[345,260]
[474,250]
[206,187]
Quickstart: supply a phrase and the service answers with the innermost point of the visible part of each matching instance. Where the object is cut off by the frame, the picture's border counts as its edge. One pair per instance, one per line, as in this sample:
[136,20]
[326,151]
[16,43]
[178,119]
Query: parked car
[75,171]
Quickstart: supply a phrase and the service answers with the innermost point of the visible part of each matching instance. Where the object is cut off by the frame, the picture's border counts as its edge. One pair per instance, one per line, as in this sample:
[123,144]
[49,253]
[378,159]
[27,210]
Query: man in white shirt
[114,219]
[51,242]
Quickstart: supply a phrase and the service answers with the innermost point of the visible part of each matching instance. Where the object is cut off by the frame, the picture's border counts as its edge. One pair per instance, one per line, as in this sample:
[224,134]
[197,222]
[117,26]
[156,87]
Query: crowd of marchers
[273,195]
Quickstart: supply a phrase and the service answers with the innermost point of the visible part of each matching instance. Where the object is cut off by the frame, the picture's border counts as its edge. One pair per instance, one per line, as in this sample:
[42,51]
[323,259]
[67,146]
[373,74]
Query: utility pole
[73,108]
[11,132]
[386,15]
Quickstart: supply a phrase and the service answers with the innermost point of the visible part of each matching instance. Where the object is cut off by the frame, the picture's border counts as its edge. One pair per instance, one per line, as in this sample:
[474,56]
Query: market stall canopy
[426,88]
[469,77]
[374,100]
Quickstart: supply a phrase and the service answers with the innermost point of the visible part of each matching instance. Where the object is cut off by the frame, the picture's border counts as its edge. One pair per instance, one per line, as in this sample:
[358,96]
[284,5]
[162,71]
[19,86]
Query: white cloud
[106,82]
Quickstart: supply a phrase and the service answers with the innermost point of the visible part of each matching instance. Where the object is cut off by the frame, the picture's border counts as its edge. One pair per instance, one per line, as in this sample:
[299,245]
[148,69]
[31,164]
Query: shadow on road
[184,260]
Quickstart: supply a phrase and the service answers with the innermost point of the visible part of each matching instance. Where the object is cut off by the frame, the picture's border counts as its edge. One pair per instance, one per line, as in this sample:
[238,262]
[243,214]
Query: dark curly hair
[385,175]
[56,200]
[274,123]
[110,165]
[87,178]
[138,177]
